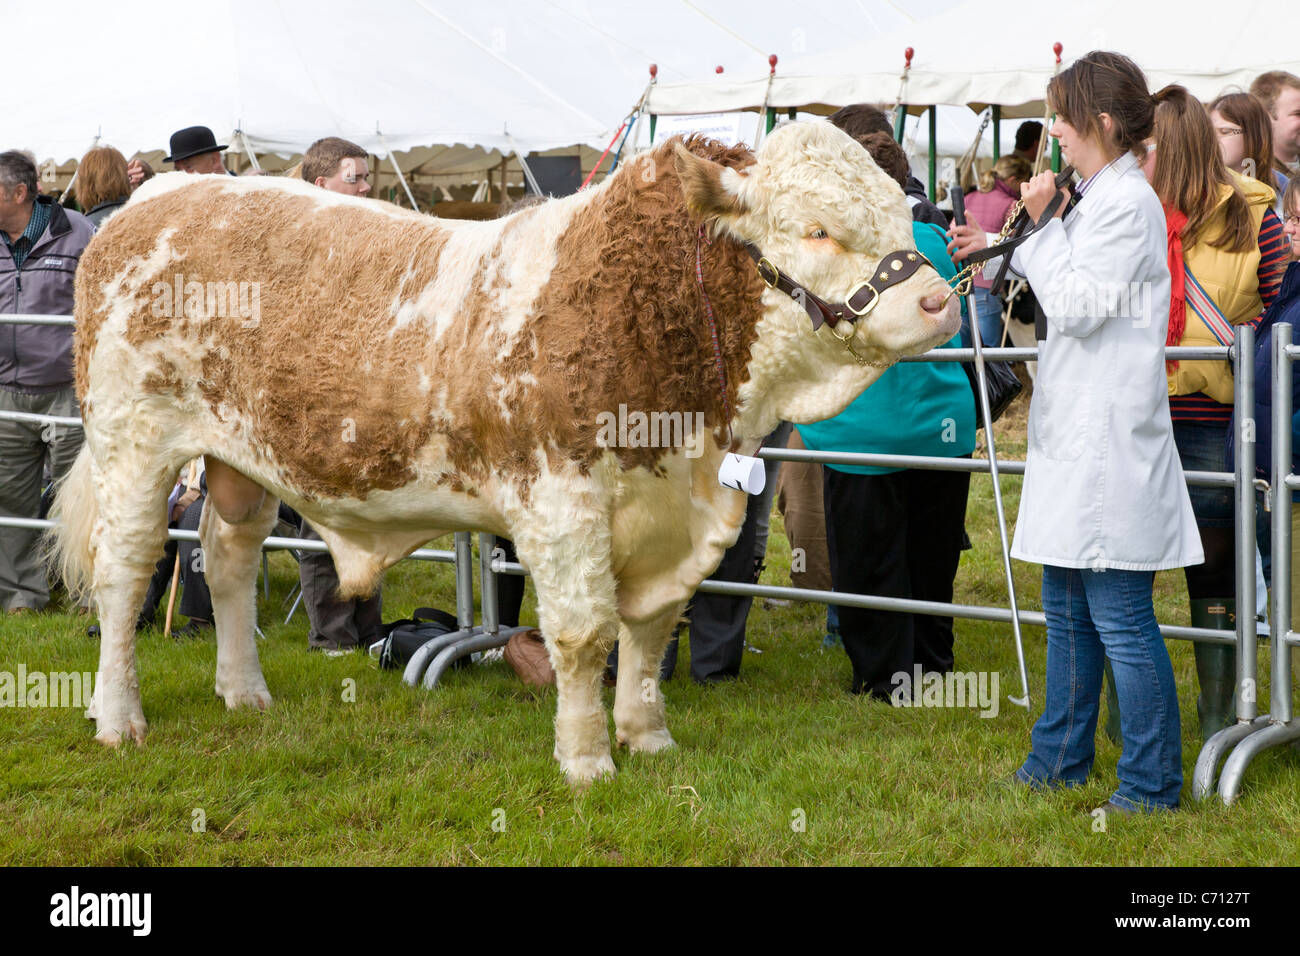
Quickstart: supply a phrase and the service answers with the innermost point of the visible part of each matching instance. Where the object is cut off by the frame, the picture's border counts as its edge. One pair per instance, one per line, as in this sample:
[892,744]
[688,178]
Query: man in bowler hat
[193,150]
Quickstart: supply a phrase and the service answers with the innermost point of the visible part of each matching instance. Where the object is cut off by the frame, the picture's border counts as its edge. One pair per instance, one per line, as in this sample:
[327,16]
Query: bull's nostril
[934,304]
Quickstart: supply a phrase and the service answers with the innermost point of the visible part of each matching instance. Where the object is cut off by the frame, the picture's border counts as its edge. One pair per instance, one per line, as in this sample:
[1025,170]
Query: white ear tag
[742,473]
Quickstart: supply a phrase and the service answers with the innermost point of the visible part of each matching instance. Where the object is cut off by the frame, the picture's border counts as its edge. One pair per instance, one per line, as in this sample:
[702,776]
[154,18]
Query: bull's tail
[74,513]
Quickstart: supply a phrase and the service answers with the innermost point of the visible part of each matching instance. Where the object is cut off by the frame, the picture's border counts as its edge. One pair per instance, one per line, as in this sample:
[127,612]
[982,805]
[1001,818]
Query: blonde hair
[1008,167]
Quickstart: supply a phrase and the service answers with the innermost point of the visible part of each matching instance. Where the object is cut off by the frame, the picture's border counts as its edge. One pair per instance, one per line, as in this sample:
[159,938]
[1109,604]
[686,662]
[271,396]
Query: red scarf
[1174,223]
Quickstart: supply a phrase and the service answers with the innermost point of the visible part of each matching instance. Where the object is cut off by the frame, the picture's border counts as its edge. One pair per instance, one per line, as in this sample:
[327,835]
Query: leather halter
[894,268]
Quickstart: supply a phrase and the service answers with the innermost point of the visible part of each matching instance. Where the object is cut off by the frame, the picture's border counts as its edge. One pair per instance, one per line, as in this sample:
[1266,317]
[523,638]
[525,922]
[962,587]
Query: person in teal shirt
[898,531]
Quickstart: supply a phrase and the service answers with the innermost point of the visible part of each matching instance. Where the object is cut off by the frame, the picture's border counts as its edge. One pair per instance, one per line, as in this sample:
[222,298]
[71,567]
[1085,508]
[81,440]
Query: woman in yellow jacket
[1227,255]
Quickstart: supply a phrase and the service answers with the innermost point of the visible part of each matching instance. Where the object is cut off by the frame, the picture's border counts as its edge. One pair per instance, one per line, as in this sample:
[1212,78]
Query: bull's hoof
[92,708]
[647,741]
[112,736]
[582,772]
[253,697]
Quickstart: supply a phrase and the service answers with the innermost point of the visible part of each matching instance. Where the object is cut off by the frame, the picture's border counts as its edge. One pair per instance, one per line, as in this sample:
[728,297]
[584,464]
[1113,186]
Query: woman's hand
[1038,192]
[966,239]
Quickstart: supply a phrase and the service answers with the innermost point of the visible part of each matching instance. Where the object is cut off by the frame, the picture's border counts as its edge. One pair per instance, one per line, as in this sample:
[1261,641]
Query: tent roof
[501,76]
[972,55]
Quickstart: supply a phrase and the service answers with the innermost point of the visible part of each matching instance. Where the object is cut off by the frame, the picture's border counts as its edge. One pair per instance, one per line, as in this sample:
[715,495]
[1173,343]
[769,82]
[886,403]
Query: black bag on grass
[403,638]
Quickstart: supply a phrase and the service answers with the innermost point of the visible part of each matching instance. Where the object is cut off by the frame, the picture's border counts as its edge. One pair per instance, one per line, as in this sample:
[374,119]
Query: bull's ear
[710,188]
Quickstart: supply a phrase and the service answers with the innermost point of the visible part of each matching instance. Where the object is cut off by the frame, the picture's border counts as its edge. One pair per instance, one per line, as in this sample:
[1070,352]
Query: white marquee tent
[498,75]
[973,54]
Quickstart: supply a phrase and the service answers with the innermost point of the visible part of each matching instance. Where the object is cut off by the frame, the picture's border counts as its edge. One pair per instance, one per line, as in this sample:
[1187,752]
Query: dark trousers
[335,624]
[897,535]
[195,600]
[510,588]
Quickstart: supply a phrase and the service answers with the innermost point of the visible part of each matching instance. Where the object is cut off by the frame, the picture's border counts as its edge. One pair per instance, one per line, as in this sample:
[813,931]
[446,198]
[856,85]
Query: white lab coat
[1103,484]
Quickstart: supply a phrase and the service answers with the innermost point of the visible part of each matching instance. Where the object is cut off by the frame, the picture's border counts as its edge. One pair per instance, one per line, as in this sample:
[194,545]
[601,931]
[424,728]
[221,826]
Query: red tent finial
[907,56]
[654,70]
[771,61]
[1057,48]
[717,69]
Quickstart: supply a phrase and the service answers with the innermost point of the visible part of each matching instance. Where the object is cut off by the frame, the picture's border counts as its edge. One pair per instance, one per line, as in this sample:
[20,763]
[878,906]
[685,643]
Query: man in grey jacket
[42,243]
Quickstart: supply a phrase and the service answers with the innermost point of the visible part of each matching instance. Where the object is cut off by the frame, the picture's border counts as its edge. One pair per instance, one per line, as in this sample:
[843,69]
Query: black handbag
[1003,385]
[403,638]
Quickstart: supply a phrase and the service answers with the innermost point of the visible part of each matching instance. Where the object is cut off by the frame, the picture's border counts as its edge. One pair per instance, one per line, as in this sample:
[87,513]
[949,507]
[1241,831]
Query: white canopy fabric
[976,54]
[503,75]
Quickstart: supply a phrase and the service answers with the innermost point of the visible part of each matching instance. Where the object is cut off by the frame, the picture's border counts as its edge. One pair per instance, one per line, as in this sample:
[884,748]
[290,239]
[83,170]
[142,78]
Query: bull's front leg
[579,620]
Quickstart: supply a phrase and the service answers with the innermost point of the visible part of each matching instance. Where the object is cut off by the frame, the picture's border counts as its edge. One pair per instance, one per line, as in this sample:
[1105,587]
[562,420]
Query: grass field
[782,766]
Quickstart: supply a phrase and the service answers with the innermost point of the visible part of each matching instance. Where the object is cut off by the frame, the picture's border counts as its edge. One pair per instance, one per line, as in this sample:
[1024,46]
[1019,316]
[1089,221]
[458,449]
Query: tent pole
[398,169]
[900,108]
[637,113]
[248,148]
[767,118]
[640,110]
[934,126]
[997,132]
[523,164]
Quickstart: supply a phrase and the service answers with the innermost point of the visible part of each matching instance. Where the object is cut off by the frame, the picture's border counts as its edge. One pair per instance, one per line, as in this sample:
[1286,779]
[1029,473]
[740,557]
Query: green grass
[402,776]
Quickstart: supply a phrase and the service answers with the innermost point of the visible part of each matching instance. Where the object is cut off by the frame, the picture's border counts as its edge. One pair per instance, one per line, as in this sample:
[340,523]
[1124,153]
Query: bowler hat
[191,141]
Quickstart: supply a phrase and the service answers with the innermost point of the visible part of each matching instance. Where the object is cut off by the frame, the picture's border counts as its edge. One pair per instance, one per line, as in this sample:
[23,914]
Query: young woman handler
[1104,504]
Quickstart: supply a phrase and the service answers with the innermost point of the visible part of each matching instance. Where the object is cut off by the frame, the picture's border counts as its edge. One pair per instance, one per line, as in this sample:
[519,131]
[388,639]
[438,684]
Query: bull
[402,377]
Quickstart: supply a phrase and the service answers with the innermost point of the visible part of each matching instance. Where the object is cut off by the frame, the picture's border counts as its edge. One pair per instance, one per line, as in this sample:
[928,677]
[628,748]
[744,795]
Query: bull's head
[821,211]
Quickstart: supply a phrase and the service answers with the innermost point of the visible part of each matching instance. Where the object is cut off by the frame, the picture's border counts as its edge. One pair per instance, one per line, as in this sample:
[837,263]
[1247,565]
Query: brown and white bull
[395,377]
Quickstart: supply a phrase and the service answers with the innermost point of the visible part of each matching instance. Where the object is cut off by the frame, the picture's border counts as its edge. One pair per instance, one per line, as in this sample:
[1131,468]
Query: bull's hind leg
[639,720]
[126,539]
[576,610]
[230,561]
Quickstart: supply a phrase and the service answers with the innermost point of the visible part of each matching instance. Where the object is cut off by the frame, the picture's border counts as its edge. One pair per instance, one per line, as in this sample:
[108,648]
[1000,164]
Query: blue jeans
[990,317]
[1091,616]
[1203,446]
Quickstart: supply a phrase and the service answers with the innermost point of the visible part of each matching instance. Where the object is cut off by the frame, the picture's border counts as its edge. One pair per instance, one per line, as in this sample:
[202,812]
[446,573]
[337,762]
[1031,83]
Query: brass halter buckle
[765,266]
[875,297]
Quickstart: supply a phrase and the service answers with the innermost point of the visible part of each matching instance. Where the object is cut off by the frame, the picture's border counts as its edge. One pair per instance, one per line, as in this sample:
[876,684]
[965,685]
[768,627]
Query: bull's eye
[819,234]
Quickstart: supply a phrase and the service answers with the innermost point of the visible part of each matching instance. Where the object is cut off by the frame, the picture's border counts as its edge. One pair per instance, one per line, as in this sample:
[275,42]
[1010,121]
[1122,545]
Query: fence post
[1280,692]
[464,581]
[1243,355]
[487,582]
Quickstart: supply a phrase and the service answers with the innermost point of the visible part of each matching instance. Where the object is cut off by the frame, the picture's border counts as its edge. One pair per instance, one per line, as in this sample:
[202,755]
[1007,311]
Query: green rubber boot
[1216,666]
[1112,705]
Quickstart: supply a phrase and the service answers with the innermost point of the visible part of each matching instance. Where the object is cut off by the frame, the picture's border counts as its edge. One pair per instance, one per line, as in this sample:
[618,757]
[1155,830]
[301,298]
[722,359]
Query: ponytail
[1190,174]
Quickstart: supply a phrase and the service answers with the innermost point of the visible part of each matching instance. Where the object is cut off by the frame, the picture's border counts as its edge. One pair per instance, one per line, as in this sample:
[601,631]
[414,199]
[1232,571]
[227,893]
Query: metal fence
[1239,743]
